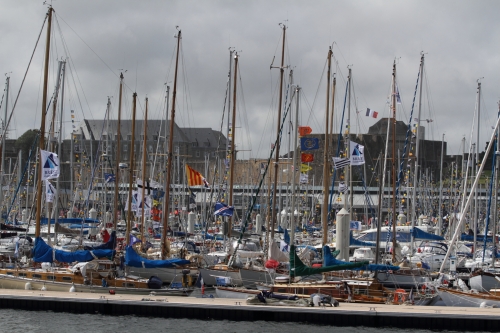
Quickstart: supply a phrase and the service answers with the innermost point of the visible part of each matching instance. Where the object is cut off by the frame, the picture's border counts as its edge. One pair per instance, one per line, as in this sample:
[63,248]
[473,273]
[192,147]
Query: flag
[144,203]
[309,143]
[371,113]
[50,191]
[109,178]
[343,188]
[357,153]
[134,201]
[195,178]
[304,168]
[149,187]
[133,240]
[305,130]
[223,210]
[355,225]
[304,178]
[305,158]
[398,97]
[50,165]
[340,162]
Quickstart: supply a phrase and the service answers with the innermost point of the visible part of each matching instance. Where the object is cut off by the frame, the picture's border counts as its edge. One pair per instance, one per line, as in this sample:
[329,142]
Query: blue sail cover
[132,259]
[330,260]
[286,237]
[420,234]
[70,220]
[42,252]
[355,242]
[479,238]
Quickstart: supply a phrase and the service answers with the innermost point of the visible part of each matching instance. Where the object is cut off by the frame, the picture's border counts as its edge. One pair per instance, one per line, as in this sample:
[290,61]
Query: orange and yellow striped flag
[195,178]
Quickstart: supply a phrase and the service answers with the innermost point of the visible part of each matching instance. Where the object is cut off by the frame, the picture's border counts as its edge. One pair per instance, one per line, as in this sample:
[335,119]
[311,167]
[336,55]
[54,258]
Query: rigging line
[24,78]
[317,91]
[256,191]
[94,167]
[115,74]
[217,156]
[332,189]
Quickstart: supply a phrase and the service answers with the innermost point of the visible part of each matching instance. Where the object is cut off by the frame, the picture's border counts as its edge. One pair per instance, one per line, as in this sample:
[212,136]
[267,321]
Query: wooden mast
[394,162]
[170,155]
[277,148]
[143,199]
[131,172]
[233,151]
[324,212]
[118,149]
[42,126]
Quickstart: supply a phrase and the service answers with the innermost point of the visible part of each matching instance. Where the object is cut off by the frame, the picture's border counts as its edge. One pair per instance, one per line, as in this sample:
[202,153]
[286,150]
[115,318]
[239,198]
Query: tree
[25,142]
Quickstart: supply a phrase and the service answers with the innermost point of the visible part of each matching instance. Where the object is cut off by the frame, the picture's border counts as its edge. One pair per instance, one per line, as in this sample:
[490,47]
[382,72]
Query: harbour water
[45,321]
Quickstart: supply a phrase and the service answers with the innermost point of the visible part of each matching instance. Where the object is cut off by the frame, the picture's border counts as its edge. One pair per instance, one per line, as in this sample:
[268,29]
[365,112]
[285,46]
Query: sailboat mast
[295,168]
[131,172]
[59,145]
[393,161]
[324,212]
[42,126]
[144,151]
[7,81]
[118,148]
[233,151]
[277,148]
[417,146]
[348,148]
[170,155]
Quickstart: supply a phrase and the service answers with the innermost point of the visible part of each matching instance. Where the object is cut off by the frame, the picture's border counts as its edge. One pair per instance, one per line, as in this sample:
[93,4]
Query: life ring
[399,296]
[423,288]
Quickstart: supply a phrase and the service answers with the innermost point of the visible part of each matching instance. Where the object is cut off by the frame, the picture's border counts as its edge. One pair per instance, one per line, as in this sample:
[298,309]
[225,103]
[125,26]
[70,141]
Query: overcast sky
[460,39]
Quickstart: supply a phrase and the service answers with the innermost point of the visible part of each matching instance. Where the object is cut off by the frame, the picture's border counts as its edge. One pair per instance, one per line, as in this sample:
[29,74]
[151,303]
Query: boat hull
[209,276]
[462,299]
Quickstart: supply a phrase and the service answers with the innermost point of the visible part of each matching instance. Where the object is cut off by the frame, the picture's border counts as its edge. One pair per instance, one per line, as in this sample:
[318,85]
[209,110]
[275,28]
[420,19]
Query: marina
[130,214]
[347,314]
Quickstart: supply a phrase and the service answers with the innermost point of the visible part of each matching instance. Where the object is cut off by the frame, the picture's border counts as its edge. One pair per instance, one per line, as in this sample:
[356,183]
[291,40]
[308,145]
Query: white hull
[484,283]
[467,300]
[209,276]
[166,275]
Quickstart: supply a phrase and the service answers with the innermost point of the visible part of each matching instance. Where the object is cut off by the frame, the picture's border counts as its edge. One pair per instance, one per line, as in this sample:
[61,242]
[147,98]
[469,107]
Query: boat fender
[27,286]
[72,289]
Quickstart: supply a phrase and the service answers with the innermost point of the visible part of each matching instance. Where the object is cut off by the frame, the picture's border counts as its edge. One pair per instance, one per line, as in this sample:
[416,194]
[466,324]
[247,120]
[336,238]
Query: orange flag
[194,178]
[305,130]
[306,158]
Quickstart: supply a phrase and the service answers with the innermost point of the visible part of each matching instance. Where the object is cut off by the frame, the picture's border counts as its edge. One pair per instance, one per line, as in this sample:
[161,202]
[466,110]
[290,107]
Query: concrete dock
[347,314]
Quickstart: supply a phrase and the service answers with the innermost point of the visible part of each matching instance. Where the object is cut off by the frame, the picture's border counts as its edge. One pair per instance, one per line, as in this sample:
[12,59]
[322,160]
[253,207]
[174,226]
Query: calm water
[44,321]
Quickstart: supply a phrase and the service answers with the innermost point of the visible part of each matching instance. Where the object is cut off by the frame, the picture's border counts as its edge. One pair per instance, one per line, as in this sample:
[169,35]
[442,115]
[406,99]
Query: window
[36,276]
[67,278]
[51,277]
[197,154]
[129,137]
[125,147]
[129,285]
[21,274]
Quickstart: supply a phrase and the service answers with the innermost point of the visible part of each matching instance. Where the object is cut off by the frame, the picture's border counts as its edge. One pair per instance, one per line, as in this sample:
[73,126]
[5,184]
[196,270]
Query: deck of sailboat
[347,314]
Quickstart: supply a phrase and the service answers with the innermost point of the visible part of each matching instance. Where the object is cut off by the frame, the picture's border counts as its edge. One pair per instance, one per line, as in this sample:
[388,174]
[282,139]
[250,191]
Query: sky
[459,39]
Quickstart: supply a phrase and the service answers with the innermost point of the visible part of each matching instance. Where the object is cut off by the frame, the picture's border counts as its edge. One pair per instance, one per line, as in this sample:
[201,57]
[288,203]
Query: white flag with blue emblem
[357,153]
[50,191]
[50,165]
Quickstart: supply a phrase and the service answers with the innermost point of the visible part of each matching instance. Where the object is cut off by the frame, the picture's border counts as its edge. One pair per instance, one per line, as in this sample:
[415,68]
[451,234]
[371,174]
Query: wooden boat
[97,281]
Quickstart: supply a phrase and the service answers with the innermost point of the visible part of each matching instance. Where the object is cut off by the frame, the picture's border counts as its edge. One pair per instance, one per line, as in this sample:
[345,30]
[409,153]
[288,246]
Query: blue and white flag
[357,153]
[133,240]
[223,210]
[50,191]
[355,225]
[398,97]
[50,165]
[109,178]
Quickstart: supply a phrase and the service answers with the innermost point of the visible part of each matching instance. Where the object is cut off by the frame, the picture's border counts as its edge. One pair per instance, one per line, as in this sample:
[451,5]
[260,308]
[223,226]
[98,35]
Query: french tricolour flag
[371,113]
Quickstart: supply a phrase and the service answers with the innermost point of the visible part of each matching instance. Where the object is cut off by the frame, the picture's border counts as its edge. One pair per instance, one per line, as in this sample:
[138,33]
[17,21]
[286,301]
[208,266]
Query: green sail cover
[298,268]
